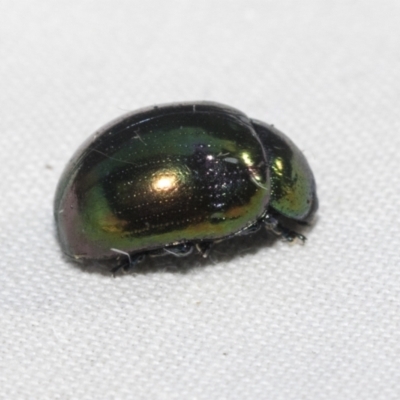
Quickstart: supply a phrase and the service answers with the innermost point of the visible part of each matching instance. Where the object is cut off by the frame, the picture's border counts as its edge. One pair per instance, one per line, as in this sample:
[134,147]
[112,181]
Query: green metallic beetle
[173,178]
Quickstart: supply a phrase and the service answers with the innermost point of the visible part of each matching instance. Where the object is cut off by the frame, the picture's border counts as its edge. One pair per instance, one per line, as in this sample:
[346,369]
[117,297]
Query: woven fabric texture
[278,321]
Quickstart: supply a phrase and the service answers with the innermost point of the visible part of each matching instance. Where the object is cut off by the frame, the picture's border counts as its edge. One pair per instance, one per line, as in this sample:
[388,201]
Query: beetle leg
[127,266]
[204,248]
[273,225]
[250,229]
[180,250]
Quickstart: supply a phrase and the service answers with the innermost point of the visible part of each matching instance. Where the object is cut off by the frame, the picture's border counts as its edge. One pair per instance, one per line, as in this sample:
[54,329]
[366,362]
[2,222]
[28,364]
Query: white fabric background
[320,321]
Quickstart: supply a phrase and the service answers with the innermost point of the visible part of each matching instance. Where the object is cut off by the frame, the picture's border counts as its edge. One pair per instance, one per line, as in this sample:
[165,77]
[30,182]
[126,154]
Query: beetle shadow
[224,251]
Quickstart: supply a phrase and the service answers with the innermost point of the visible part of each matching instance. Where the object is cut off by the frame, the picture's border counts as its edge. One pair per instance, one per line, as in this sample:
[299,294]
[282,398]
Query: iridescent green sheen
[162,176]
[293,189]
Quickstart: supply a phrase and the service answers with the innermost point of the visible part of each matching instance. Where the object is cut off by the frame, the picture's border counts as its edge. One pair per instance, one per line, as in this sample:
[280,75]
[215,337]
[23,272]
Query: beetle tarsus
[273,225]
[290,235]
[204,248]
[180,250]
[128,266]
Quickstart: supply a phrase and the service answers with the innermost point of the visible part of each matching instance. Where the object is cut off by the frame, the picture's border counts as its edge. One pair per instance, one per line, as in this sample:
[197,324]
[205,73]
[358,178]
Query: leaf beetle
[179,177]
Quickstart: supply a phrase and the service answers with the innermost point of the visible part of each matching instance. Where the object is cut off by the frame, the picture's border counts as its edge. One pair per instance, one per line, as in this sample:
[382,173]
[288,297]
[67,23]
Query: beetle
[179,177]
